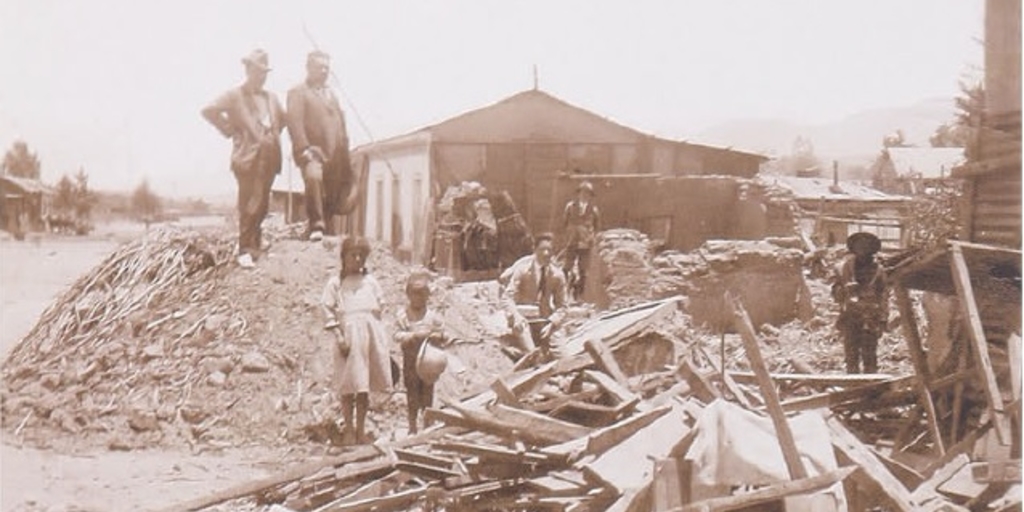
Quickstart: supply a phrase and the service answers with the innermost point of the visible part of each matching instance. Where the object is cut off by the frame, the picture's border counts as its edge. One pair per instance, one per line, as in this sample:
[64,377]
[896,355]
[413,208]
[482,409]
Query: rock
[150,352]
[217,379]
[143,421]
[217,364]
[215,322]
[50,381]
[193,414]
[119,445]
[255,362]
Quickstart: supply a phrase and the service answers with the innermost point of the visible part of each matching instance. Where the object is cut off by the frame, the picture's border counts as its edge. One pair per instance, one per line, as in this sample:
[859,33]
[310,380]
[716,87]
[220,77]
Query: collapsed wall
[620,271]
[767,278]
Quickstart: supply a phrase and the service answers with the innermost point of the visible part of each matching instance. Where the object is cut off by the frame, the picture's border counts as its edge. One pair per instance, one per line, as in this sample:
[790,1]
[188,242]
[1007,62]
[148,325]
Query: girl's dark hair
[356,244]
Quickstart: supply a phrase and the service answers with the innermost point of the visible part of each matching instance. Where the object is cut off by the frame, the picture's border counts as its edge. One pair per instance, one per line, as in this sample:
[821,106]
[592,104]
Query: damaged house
[528,145]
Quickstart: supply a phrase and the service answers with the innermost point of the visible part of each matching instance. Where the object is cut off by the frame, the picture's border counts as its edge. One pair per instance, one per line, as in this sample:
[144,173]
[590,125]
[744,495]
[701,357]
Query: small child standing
[352,304]
[417,324]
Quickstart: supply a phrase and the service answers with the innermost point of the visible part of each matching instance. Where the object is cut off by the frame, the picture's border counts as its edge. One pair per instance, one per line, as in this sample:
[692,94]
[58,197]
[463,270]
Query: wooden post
[958,390]
[771,396]
[976,331]
[920,360]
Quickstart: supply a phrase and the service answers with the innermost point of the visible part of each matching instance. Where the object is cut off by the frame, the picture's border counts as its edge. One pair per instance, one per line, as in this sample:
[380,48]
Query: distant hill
[855,138]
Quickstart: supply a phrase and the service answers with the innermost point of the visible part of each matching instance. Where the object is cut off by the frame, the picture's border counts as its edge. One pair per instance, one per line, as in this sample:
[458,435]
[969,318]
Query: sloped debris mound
[168,343]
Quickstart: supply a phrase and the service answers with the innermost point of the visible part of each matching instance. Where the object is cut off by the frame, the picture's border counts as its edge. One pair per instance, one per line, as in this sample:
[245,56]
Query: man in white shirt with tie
[536,294]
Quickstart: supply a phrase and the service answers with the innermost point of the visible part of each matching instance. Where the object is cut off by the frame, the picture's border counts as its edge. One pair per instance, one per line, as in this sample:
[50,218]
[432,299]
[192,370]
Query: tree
[801,158]
[84,198]
[64,198]
[145,203]
[895,140]
[962,131]
[20,162]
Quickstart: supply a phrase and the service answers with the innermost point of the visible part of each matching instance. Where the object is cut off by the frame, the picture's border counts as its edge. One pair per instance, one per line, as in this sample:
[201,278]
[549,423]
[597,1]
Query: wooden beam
[771,396]
[504,394]
[976,332]
[817,379]
[770,493]
[552,428]
[1013,353]
[847,443]
[301,471]
[396,501]
[615,389]
[834,398]
[699,383]
[606,361]
[926,491]
[920,361]
[499,453]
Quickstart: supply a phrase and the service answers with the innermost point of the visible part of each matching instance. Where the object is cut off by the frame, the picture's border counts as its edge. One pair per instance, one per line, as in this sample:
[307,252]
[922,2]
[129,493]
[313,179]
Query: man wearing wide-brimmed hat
[252,118]
[860,290]
[581,220]
[316,125]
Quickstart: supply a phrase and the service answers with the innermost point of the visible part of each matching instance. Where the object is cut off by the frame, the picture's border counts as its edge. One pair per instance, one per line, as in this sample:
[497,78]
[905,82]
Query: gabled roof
[821,188]
[533,115]
[925,162]
[26,185]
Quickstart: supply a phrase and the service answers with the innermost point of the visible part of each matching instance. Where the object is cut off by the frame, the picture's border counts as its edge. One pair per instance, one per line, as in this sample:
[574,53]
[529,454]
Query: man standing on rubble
[316,125]
[253,119]
[535,296]
[860,290]
[580,221]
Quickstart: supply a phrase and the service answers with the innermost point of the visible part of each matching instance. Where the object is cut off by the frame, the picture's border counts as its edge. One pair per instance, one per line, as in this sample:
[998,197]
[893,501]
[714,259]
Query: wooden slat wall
[996,208]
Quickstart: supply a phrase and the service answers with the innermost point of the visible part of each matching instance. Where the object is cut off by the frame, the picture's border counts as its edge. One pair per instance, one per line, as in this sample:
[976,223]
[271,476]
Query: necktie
[542,284]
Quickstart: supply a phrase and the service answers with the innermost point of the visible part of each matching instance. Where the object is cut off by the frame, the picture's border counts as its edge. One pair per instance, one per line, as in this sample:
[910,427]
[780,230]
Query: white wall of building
[398,192]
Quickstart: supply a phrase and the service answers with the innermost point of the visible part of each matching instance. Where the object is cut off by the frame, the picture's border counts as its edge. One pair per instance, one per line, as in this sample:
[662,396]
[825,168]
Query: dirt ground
[31,274]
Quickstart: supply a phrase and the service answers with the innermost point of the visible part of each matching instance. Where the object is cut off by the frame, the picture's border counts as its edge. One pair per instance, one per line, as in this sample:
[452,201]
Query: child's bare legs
[347,409]
[412,410]
[362,404]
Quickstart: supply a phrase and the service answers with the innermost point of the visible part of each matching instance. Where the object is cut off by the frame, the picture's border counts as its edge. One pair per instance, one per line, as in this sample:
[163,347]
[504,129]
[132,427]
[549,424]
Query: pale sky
[116,85]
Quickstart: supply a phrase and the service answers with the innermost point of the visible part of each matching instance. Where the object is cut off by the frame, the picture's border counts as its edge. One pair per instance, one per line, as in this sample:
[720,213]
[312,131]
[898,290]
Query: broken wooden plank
[699,383]
[614,388]
[771,397]
[996,471]
[504,394]
[671,484]
[426,470]
[926,491]
[594,415]
[394,501]
[603,439]
[979,344]
[770,493]
[627,465]
[499,453]
[836,398]
[423,458]
[556,402]
[848,444]
[816,379]
[538,424]
[606,362]
[372,489]
[920,361]
[486,422]
[298,472]
[907,476]
[616,326]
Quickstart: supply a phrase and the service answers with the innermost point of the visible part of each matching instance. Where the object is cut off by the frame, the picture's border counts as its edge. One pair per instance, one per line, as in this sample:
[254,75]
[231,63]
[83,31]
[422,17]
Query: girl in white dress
[352,303]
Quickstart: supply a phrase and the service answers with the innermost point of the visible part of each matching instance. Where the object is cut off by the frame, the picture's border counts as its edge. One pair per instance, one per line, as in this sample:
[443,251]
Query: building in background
[913,170]
[526,145]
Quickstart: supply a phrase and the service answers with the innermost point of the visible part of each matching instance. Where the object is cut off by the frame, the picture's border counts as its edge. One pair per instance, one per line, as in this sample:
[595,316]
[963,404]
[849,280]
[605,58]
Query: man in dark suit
[252,118]
[316,125]
[536,294]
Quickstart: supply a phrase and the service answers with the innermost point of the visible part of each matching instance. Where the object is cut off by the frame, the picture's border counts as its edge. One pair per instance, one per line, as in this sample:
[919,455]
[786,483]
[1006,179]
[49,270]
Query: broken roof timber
[930,271]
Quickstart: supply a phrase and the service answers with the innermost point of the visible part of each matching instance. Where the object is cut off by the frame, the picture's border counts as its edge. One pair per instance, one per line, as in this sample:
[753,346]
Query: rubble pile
[620,270]
[580,433]
[167,343]
[767,276]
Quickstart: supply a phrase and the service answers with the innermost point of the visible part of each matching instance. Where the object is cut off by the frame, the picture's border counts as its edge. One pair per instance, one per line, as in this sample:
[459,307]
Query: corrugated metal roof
[821,188]
[925,162]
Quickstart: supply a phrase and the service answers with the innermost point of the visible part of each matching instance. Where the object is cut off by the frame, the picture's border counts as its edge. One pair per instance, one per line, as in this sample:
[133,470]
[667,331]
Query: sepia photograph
[474,256]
